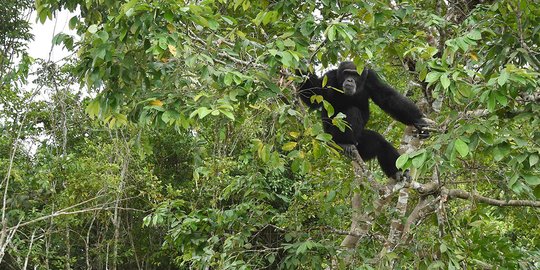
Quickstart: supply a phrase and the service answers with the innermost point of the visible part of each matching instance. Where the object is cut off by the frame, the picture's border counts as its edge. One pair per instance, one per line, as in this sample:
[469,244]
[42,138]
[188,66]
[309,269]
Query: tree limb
[457,193]
[430,188]
[357,231]
[420,211]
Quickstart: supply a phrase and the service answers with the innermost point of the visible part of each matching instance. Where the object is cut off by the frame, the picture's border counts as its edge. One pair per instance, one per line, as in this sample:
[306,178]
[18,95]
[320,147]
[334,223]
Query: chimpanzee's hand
[422,125]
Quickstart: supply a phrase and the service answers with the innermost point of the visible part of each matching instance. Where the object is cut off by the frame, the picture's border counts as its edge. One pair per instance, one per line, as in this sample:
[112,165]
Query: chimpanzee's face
[349,82]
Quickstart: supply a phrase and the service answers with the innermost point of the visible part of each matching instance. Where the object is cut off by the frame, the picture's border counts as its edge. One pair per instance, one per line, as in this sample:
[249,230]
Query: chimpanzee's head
[351,82]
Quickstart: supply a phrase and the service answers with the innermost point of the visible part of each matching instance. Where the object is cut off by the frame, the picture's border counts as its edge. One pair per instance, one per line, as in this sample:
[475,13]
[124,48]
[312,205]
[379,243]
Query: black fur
[355,106]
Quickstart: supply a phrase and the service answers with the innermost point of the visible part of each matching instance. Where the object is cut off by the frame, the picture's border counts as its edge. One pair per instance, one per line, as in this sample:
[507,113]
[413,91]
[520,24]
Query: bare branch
[396,226]
[357,231]
[63,213]
[430,188]
[342,232]
[457,193]
[223,54]
[420,211]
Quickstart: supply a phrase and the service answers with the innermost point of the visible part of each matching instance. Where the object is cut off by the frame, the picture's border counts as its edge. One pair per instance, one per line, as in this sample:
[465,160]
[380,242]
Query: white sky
[43,34]
[41,47]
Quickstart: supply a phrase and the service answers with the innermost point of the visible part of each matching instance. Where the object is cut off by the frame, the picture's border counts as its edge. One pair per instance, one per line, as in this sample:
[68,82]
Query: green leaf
[295,165]
[103,35]
[331,195]
[462,44]
[503,77]
[328,107]
[339,122]
[532,180]
[73,22]
[288,237]
[265,153]
[306,166]
[316,98]
[271,258]
[228,114]
[418,161]
[129,5]
[369,53]
[324,137]
[286,59]
[302,248]
[502,99]
[59,38]
[331,33]
[491,102]
[461,147]
[170,116]
[202,112]
[499,153]
[93,28]
[270,17]
[433,76]
[229,20]
[324,81]
[42,14]
[93,108]
[237,3]
[228,79]
[289,43]
[317,149]
[443,248]
[533,159]
[402,160]
[169,16]
[475,35]
[101,52]
[513,180]
[445,81]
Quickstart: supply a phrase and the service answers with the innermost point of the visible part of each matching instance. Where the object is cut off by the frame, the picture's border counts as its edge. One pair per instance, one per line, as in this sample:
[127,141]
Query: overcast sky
[43,34]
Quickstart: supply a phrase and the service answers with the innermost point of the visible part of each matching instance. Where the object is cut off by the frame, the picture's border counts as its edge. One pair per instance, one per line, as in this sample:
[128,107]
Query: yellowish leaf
[156,102]
[172,49]
[171,28]
[289,146]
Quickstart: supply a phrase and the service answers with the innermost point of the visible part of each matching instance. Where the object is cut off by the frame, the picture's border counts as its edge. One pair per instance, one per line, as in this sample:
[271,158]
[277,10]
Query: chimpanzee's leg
[372,144]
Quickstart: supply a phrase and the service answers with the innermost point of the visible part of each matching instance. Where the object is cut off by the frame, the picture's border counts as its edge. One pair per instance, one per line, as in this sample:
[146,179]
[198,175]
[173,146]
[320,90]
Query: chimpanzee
[349,92]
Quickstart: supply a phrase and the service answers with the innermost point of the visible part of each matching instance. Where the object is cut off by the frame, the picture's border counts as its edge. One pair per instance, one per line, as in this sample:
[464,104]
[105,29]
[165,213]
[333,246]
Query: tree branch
[424,207]
[357,231]
[430,188]
[457,193]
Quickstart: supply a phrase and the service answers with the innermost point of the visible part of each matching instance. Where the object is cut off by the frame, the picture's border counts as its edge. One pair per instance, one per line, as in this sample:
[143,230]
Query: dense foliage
[173,138]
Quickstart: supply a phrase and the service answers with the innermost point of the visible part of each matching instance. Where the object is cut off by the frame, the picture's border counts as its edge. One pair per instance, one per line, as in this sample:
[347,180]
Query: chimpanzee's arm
[395,104]
[311,86]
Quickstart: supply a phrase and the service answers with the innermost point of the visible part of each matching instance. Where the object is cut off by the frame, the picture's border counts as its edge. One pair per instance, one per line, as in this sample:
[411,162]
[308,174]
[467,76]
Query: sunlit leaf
[503,77]
[533,159]
[402,160]
[172,49]
[475,35]
[461,147]
[445,82]
[433,76]
[532,180]
[156,102]
[289,146]
[93,28]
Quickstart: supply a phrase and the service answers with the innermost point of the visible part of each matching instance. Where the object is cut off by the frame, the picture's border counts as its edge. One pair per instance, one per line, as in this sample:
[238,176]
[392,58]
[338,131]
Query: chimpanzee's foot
[348,150]
[400,176]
